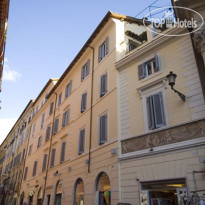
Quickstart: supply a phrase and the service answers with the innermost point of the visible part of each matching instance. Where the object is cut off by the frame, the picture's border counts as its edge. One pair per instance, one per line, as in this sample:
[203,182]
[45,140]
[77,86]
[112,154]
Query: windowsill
[151,76]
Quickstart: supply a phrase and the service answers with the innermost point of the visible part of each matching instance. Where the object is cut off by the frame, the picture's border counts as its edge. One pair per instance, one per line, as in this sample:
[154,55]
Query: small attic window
[132,45]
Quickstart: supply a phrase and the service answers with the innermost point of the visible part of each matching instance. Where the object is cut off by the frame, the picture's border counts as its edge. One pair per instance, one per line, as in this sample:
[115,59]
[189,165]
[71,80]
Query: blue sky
[43,37]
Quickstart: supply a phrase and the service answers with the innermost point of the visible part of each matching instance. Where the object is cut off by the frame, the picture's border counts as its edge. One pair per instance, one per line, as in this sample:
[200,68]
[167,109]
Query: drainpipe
[49,152]
[91,110]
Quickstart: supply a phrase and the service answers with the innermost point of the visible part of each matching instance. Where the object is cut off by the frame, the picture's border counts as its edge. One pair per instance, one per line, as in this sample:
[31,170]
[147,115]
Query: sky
[43,37]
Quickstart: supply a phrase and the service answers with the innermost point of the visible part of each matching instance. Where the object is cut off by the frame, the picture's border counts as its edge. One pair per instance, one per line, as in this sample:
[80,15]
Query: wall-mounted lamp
[171,79]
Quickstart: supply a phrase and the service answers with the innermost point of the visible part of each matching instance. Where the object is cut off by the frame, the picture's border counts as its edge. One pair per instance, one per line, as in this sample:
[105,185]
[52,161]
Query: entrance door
[58,199]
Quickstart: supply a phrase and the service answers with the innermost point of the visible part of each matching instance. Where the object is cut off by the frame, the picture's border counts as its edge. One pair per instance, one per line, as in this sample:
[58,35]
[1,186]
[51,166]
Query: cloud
[5,127]
[8,73]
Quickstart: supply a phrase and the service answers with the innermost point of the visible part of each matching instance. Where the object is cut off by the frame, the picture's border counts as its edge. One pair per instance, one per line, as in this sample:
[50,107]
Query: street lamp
[171,78]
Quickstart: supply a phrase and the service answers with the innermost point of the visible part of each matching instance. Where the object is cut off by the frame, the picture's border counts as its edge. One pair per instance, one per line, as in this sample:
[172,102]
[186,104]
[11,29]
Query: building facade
[162,139]
[4,10]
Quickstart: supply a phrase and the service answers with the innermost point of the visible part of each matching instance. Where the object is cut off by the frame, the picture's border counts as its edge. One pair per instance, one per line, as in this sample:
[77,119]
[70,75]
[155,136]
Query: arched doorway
[79,192]
[58,194]
[22,198]
[103,189]
[40,196]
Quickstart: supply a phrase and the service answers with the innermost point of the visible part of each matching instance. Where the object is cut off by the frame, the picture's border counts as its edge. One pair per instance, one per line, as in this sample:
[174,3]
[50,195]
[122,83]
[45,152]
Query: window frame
[68,89]
[56,127]
[63,151]
[143,67]
[150,92]
[35,168]
[51,108]
[103,49]
[81,139]
[59,99]
[83,106]
[45,160]
[53,154]
[85,71]
[100,139]
[42,120]
[39,142]
[66,116]
[103,92]
[48,133]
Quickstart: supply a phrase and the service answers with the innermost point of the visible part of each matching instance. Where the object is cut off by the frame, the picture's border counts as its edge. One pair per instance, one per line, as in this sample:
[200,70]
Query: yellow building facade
[162,139]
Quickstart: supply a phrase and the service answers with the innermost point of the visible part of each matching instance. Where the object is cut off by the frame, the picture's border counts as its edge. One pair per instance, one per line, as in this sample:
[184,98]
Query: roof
[109,15]
[45,87]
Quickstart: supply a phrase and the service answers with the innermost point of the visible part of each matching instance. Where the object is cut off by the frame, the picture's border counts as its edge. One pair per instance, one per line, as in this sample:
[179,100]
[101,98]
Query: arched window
[103,189]
[58,194]
[79,192]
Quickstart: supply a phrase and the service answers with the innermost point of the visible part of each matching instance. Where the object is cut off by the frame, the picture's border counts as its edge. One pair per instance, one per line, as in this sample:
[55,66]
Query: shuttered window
[23,155]
[155,111]
[81,141]
[149,67]
[30,149]
[59,99]
[83,102]
[44,162]
[103,49]
[39,141]
[53,153]
[34,168]
[25,173]
[51,108]
[85,70]
[62,156]
[56,123]
[68,89]
[103,129]
[65,118]
[42,120]
[48,133]
[103,84]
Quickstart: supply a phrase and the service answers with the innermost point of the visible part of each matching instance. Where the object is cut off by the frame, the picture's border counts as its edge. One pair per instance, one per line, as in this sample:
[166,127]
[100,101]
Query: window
[44,162]
[103,129]
[103,49]
[155,111]
[42,120]
[48,133]
[83,102]
[81,141]
[132,45]
[34,127]
[39,142]
[85,70]
[103,84]
[51,108]
[68,89]
[30,149]
[53,153]
[65,118]
[25,173]
[62,156]
[149,67]
[59,99]
[34,168]
[56,123]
